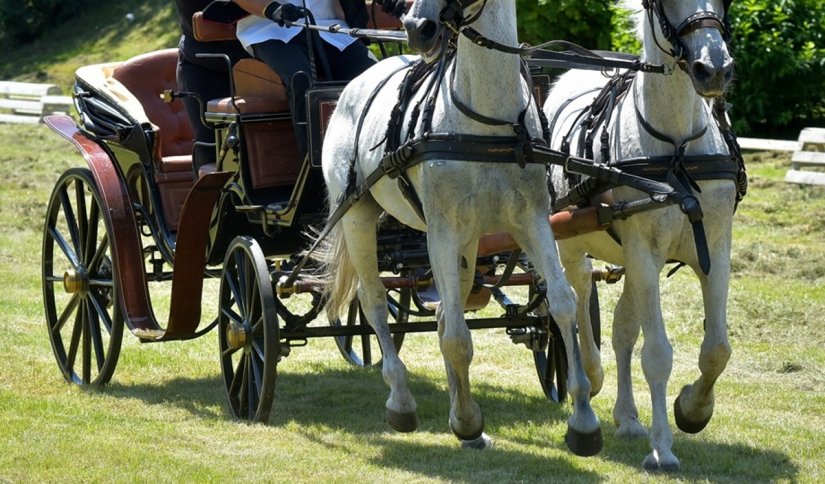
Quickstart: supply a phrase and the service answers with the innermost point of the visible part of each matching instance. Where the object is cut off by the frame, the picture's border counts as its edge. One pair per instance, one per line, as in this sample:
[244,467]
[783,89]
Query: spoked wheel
[83,313]
[551,363]
[364,350]
[248,331]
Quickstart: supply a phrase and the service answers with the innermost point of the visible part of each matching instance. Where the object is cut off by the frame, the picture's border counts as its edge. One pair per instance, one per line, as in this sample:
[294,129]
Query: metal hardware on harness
[397,161]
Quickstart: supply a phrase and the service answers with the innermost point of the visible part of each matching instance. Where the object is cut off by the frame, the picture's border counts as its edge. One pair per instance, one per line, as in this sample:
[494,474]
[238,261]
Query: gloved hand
[392,7]
[280,13]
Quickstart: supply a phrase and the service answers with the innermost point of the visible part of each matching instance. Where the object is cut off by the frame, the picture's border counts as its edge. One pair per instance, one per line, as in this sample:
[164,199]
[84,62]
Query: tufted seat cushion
[146,76]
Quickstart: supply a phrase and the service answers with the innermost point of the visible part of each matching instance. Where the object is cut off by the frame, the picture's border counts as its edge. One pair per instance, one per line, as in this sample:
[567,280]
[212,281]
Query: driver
[262,31]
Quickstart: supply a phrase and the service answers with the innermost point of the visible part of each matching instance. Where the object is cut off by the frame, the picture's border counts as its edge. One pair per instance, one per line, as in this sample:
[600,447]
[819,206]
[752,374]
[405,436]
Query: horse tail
[336,273]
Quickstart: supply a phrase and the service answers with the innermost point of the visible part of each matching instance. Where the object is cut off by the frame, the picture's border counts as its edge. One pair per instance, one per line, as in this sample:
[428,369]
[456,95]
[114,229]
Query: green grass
[164,416]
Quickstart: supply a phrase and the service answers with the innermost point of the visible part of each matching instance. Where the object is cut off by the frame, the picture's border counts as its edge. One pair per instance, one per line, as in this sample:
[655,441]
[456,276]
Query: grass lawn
[164,416]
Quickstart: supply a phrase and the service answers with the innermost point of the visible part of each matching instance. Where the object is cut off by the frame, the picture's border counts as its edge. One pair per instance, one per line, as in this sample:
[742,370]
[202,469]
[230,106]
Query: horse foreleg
[642,282]
[693,408]
[453,267]
[579,272]
[359,230]
[584,435]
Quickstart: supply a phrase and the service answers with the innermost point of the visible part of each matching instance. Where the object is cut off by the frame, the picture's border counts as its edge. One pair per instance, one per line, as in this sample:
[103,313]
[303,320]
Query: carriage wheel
[248,331]
[551,363]
[83,313]
[359,349]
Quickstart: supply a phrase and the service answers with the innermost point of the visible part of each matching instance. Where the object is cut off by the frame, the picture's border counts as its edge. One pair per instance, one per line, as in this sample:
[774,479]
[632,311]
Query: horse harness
[400,155]
[666,180]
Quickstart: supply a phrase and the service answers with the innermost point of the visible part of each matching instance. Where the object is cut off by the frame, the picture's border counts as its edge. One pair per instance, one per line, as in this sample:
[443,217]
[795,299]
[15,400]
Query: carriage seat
[258,90]
[145,77]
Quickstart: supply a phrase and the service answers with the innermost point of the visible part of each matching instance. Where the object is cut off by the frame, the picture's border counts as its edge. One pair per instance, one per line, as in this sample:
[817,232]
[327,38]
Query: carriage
[143,216]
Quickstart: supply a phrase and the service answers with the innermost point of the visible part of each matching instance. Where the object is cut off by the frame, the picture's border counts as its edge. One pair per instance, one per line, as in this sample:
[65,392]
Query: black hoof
[584,444]
[402,421]
[650,465]
[685,424]
[481,443]
[469,437]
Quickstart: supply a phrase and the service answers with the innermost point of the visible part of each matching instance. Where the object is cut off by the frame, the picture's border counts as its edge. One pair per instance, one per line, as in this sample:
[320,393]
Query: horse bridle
[673,34]
[452,15]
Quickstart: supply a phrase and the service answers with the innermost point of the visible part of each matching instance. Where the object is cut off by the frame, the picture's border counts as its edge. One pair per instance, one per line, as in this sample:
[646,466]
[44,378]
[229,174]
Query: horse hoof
[654,464]
[481,443]
[469,437]
[402,421]
[685,424]
[584,444]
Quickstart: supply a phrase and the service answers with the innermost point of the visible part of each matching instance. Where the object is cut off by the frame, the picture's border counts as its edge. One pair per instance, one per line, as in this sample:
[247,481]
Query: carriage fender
[125,243]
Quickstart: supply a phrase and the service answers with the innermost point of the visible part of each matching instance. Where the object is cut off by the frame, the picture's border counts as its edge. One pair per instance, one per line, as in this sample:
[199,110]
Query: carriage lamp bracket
[231,142]
[169,95]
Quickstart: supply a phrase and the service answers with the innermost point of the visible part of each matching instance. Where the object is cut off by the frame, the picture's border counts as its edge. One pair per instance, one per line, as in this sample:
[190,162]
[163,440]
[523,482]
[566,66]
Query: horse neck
[668,102]
[489,81]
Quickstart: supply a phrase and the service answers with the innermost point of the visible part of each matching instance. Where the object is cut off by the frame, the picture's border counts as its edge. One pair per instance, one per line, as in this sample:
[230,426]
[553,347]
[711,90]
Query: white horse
[460,200]
[658,115]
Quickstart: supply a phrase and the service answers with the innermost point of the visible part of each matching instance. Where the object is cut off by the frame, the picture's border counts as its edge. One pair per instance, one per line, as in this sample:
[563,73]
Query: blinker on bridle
[452,16]
[673,34]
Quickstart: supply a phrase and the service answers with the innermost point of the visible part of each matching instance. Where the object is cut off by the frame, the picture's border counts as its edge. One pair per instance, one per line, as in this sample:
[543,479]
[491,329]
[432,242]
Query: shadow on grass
[352,400]
[702,459]
[201,397]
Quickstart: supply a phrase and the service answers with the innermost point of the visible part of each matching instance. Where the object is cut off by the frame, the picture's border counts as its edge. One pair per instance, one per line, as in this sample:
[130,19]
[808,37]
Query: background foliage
[26,20]
[779,48]
[778,45]
[585,22]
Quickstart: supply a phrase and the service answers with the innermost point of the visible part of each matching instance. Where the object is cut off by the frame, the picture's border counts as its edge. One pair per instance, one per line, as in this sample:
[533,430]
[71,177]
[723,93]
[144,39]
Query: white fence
[26,102]
[808,160]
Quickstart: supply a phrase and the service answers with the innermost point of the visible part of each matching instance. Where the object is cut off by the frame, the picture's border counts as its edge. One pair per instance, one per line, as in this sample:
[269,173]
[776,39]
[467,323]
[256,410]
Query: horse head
[697,34]
[428,21]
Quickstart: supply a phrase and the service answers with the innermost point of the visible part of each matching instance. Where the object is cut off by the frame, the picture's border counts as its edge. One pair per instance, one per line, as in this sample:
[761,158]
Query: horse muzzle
[710,79]
[423,36]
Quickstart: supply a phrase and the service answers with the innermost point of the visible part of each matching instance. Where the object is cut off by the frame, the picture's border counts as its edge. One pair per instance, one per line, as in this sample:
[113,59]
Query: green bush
[585,22]
[779,50]
[25,21]
[623,32]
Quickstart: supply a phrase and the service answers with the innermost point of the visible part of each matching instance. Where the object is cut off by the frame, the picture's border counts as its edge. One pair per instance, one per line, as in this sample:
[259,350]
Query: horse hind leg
[579,272]
[693,408]
[362,247]
[455,340]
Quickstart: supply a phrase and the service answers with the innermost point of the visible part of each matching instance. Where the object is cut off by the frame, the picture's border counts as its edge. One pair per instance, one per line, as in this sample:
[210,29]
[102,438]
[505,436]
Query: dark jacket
[226,11]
